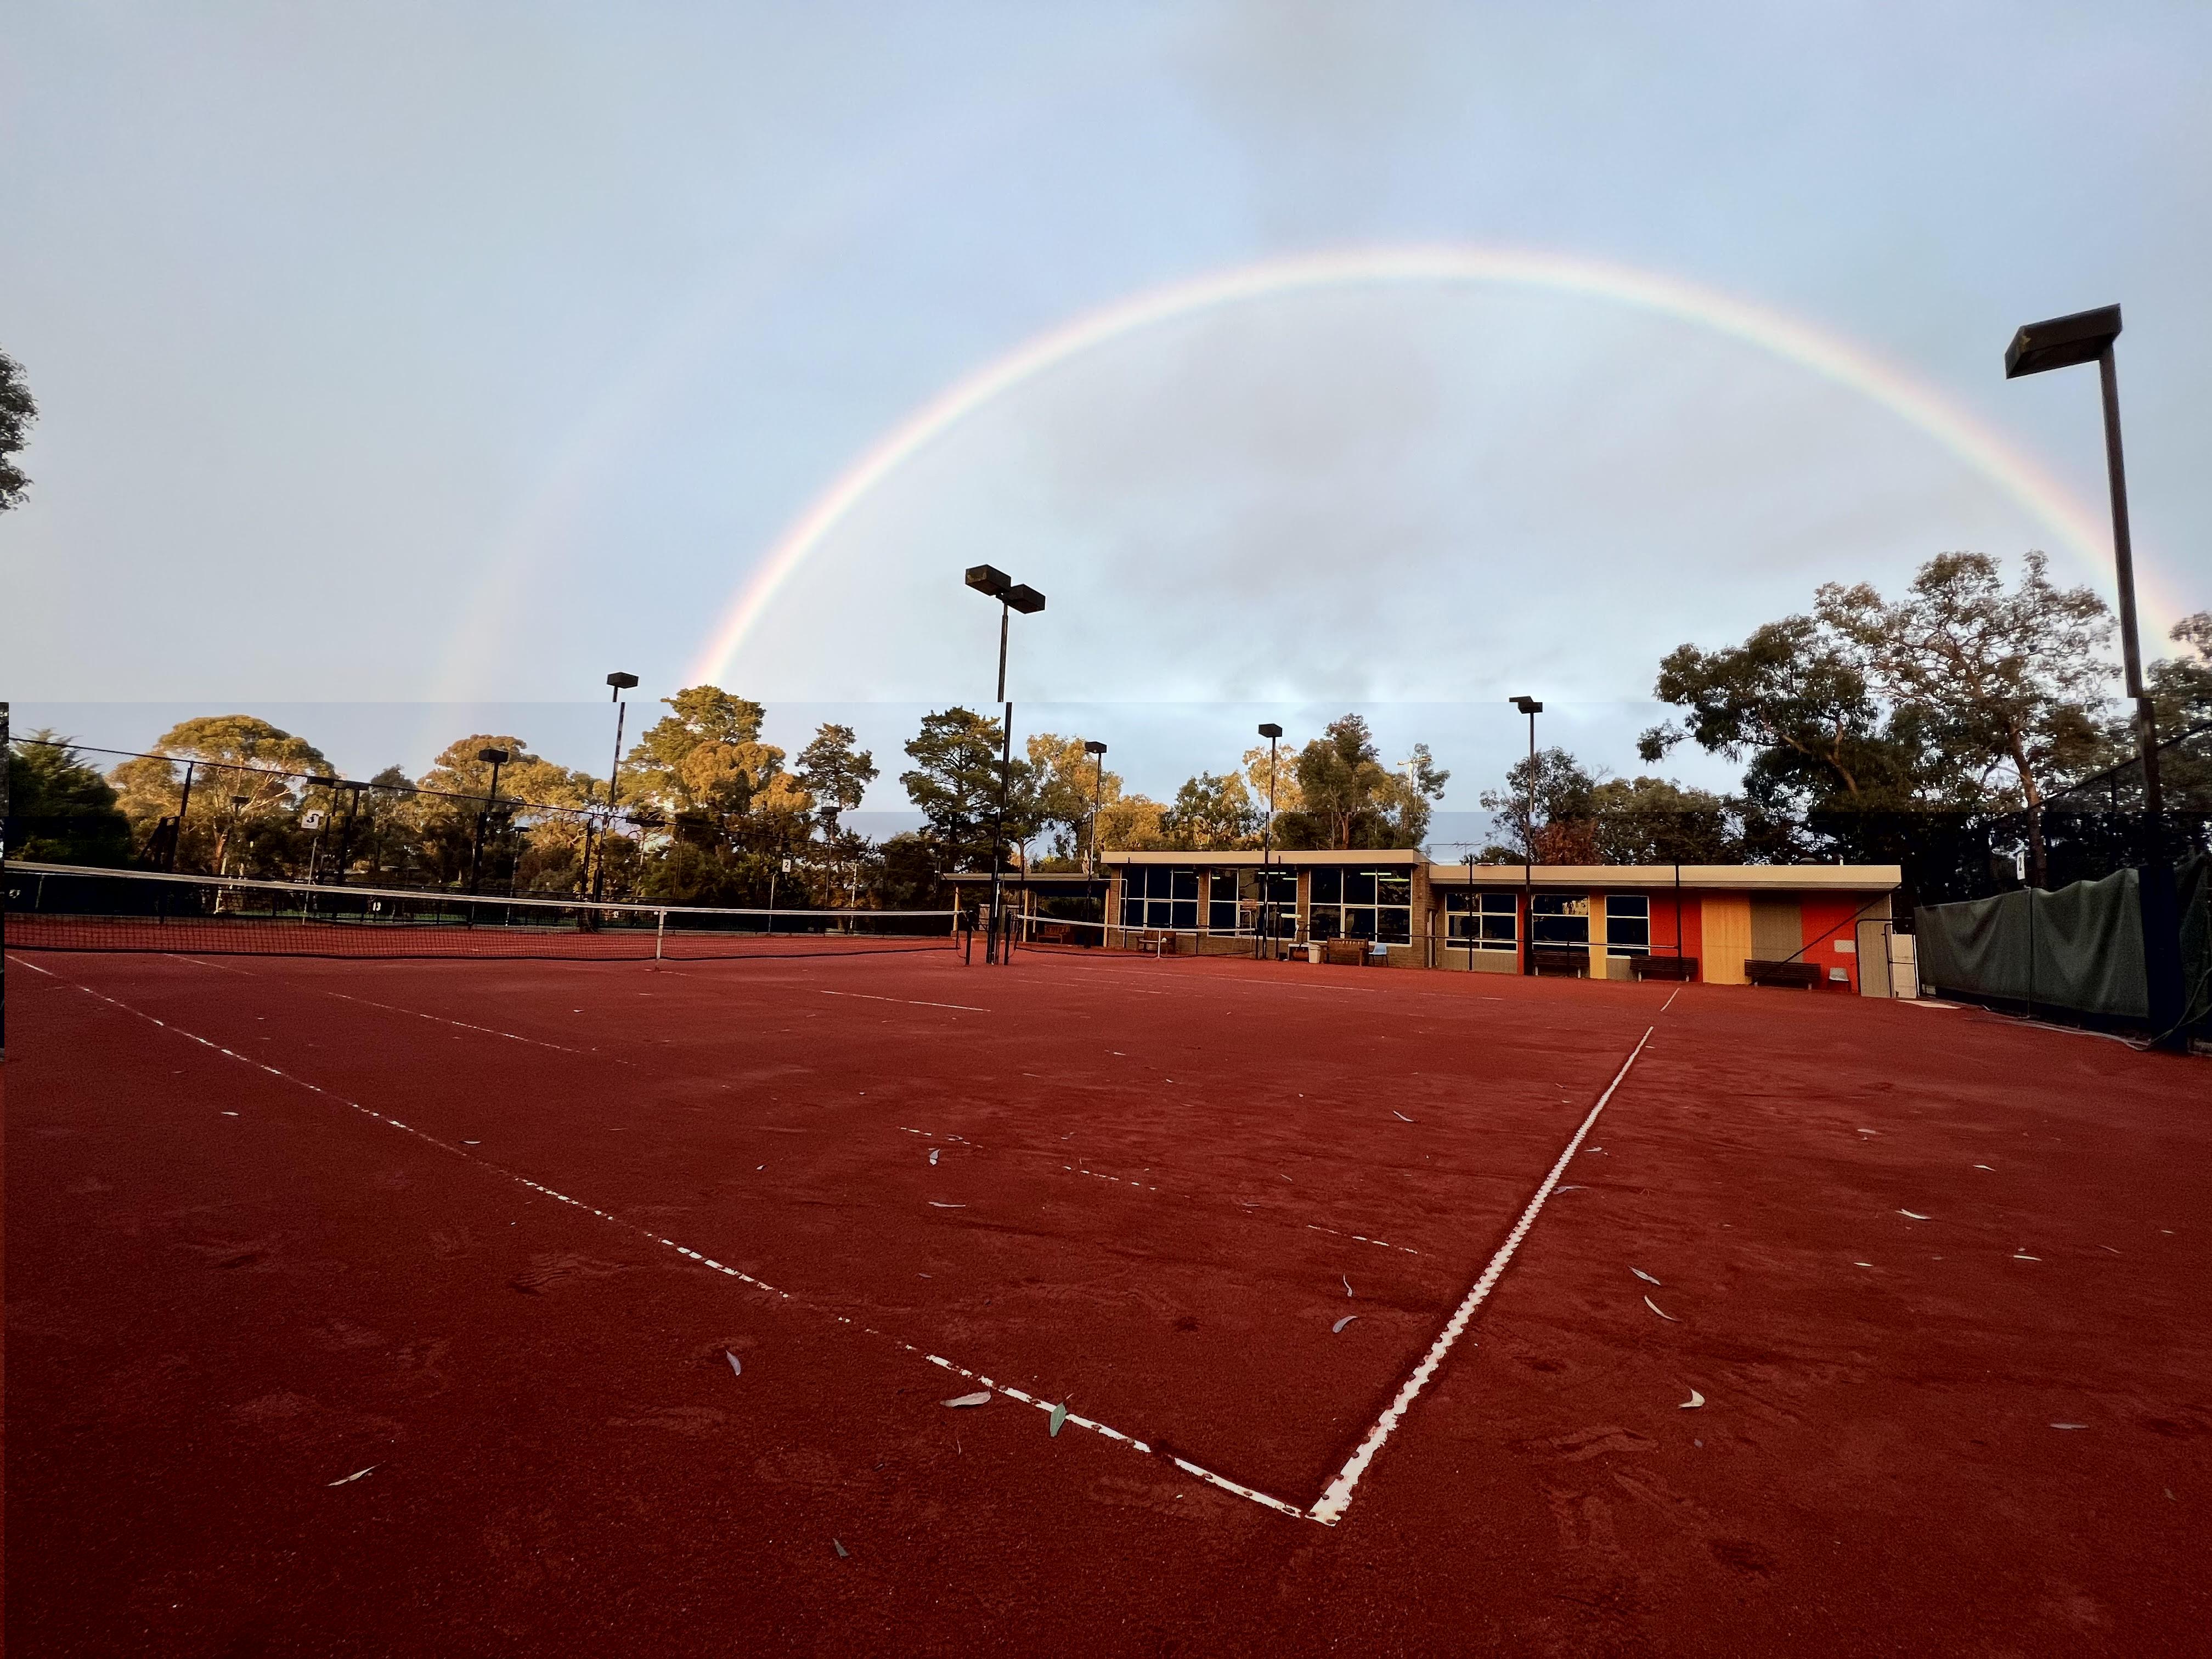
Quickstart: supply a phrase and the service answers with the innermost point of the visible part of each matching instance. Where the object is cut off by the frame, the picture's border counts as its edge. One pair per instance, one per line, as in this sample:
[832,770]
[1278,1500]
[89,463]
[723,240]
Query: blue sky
[412,359]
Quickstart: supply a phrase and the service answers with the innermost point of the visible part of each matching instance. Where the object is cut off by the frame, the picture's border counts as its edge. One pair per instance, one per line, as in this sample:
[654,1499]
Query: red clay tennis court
[390,1306]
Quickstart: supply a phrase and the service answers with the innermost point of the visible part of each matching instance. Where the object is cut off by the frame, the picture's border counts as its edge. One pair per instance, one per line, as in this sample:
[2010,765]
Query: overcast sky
[416,359]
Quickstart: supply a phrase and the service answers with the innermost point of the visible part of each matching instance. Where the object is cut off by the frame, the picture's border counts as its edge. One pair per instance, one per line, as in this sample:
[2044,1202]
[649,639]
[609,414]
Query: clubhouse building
[1818,926]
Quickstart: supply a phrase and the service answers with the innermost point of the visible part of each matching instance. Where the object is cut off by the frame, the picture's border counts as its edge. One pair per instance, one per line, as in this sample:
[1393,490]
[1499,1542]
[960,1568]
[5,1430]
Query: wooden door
[1727,943]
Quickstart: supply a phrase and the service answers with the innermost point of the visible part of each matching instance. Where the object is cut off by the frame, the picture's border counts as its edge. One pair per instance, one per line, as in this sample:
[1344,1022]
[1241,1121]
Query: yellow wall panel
[1726,937]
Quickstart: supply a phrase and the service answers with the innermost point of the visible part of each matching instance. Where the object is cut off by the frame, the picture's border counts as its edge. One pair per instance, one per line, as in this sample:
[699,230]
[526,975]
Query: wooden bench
[1561,962]
[1804,973]
[1345,952]
[1682,967]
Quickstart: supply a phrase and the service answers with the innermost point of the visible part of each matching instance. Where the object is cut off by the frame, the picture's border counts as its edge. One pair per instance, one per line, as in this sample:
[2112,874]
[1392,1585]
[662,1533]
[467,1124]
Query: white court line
[1096,1427]
[1669,1003]
[391,1008]
[1332,1505]
[910,1001]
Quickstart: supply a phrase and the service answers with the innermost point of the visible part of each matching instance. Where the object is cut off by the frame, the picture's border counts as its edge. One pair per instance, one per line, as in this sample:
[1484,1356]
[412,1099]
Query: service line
[910,1002]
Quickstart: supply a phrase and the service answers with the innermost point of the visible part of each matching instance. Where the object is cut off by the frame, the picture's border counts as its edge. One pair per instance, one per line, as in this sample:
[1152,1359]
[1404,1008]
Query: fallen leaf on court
[1661,1311]
[1912,1215]
[2021,1255]
[981,1397]
[733,1359]
[1567,1189]
[842,1551]
[472,1143]
[935,1204]
[2069,1425]
[1400,1116]
[1863,1264]
[1691,1404]
[357,1474]
[230,1114]
[1984,1166]
[1645,1276]
[1337,1329]
[1347,1284]
[1059,1418]
[933,1158]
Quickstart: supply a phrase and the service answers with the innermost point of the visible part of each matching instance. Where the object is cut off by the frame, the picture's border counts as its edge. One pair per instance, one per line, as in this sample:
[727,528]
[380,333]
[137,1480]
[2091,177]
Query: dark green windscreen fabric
[2079,947]
[2194,878]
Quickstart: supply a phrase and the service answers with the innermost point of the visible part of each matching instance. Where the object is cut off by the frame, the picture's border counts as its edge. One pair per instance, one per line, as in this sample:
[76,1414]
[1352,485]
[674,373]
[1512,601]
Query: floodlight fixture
[622,682]
[494,757]
[1270,731]
[1025,599]
[1092,746]
[989,581]
[2062,342]
[1528,705]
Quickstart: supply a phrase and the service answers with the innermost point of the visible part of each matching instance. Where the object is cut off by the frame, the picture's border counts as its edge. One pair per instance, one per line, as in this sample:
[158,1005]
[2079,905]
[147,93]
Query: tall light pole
[498,758]
[1011,596]
[1266,932]
[2061,343]
[619,682]
[1097,752]
[1531,707]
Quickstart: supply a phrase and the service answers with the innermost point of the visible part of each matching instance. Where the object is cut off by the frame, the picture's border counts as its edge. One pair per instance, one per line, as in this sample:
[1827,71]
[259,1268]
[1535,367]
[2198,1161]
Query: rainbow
[1971,439]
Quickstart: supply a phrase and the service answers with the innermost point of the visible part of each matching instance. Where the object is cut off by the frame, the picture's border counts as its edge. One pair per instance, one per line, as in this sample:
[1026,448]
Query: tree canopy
[17,412]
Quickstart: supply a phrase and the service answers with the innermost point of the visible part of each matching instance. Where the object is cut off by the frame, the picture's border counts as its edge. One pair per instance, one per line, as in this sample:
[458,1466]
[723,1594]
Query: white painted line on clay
[910,1001]
[1094,1426]
[1330,1509]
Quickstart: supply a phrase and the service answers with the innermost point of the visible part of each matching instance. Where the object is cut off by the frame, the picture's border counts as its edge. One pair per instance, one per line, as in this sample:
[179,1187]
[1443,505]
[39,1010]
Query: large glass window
[1627,925]
[1272,887]
[1155,897]
[1221,902]
[1561,922]
[1370,904]
[1482,921]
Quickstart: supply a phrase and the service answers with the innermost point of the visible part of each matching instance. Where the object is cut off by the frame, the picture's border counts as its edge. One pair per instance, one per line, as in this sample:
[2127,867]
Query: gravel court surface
[1541,1497]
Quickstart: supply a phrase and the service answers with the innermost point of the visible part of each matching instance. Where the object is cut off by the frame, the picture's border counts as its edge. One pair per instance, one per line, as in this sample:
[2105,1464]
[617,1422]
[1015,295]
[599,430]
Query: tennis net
[51,907]
[1043,932]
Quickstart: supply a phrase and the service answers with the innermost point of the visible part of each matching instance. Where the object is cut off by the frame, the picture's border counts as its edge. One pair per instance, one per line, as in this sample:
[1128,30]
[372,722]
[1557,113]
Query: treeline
[706,812]
[1965,718]
[1924,732]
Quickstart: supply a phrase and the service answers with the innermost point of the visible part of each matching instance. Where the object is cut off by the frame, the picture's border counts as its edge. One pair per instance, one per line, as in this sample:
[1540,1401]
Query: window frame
[1627,947]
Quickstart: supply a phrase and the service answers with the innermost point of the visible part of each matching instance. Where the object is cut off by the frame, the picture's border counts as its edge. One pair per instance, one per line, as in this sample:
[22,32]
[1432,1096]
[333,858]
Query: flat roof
[1229,860]
[1853,878]
[1795,877]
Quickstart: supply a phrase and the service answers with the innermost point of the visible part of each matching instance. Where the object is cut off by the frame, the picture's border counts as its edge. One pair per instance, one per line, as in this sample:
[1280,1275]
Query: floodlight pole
[619,683]
[498,758]
[1265,940]
[1531,707]
[184,806]
[2061,343]
[1097,752]
[1011,596]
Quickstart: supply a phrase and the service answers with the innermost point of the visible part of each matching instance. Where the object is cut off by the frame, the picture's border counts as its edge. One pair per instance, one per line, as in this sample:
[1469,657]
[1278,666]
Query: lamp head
[620,681]
[1092,747]
[989,581]
[1025,599]
[1529,705]
[495,756]
[1270,731]
[2062,342]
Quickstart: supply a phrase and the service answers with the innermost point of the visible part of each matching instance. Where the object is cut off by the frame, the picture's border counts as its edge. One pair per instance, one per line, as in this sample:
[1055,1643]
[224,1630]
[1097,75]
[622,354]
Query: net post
[659,932]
